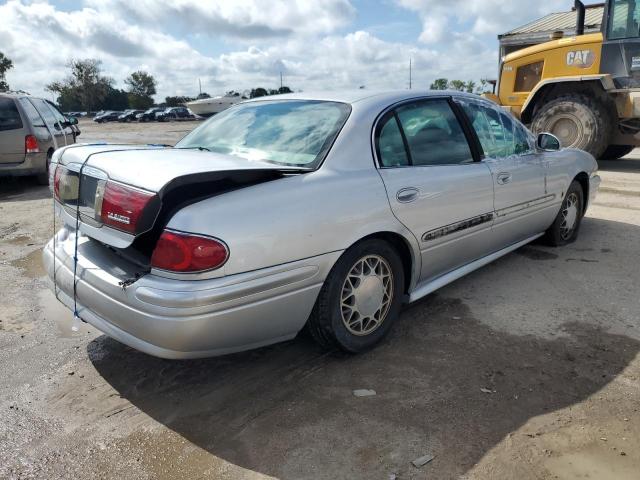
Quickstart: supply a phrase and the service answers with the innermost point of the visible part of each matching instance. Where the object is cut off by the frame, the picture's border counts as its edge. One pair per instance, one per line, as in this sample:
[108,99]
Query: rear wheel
[360,299]
[578,120]
[614,152]
[43,178]
[564,228]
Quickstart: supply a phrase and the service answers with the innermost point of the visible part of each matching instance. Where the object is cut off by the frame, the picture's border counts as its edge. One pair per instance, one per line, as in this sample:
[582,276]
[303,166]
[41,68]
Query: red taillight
[122,206]
[56,182]
[31,144]
[183,252]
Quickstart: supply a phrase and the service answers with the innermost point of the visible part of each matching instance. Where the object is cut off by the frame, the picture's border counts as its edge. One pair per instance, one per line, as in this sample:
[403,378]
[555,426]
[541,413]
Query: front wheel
[360,299]
[564,228]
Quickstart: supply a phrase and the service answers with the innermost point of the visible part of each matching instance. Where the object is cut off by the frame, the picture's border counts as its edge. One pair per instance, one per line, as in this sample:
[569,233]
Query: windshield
[287,132]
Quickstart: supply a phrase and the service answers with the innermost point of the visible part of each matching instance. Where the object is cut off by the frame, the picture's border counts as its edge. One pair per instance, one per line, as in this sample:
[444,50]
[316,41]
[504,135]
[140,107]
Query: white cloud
[486,17]
[309,42]
[241,19]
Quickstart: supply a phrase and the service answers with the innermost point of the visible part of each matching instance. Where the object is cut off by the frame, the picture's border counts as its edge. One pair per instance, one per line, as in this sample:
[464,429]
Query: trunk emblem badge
[118,218]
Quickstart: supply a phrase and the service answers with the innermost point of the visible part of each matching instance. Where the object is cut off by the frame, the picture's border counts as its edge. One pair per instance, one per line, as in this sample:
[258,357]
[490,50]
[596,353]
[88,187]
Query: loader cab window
[624,19]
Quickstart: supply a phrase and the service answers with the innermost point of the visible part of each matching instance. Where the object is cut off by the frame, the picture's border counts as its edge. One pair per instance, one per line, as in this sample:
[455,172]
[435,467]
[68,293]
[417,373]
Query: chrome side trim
[524,205]
[456,227]
[433,285]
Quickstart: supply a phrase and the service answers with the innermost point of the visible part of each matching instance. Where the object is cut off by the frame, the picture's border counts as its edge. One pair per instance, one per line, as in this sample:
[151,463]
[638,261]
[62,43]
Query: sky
[242,44]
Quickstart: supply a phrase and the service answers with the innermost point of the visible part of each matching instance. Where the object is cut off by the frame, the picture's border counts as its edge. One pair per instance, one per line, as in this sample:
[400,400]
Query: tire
[343,299]
[43,178]
[614,152]
[578,120]
[557,234]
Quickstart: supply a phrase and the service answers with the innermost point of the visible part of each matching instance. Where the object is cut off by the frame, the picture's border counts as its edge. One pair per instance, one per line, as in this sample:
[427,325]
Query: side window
[480,124]
[521,140]
[31,112]
[507,124]
[56,113]
[391,146]
[433,134]
[46,113]
[9,115]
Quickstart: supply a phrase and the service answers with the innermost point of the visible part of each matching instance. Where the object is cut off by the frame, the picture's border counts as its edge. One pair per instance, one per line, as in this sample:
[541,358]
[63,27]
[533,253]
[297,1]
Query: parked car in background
[109,116]
[149,114]
[326,211]
[174,113]
[129,115]
[31,129]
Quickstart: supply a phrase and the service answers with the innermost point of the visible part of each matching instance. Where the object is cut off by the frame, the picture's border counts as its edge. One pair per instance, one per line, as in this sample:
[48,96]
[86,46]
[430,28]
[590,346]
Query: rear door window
[31,112]
[433,134]
[46,113]
[9,115]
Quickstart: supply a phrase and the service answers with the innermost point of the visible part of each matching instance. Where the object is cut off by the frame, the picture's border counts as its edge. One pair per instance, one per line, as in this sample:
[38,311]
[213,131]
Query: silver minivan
[31,129]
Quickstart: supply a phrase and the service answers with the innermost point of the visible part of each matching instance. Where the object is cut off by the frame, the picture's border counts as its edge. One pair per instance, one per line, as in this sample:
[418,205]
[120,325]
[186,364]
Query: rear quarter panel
[292,218]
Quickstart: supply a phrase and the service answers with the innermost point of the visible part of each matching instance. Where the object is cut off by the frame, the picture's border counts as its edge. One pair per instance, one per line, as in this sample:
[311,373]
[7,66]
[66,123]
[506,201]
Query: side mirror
[548,142]
[72,121]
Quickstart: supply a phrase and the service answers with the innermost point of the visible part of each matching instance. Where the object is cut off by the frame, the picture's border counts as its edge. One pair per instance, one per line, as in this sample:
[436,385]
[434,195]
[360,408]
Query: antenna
[409,73]
[280,79]
[200,85]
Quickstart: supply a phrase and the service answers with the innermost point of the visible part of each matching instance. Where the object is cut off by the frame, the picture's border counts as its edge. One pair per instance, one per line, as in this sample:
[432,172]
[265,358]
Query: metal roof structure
[540,30]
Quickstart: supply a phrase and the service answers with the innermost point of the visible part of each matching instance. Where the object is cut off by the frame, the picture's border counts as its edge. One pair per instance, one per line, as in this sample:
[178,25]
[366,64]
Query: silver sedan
[325,212]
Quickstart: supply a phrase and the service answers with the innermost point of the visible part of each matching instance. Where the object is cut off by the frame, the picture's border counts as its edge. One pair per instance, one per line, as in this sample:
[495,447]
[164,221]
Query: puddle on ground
[31,264]
[53,309]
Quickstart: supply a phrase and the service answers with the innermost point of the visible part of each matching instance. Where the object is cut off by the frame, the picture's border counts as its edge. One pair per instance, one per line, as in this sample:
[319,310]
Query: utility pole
[409,73]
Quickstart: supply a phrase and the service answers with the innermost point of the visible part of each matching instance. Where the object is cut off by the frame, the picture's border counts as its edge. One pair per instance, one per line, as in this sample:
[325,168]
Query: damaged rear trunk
[124,198]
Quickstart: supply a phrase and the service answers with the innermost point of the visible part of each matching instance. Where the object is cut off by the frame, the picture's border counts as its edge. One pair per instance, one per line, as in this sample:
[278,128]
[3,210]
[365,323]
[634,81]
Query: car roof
[355,96]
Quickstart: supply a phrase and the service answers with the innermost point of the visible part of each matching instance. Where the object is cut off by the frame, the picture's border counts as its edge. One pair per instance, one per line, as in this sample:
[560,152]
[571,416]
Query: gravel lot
[527,369]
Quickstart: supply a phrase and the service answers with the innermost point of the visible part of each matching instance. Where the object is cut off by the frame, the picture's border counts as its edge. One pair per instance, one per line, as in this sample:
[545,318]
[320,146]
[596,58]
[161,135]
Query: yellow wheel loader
[584,89]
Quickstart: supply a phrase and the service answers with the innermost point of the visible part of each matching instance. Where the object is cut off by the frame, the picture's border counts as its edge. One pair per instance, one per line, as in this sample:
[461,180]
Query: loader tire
[578,120]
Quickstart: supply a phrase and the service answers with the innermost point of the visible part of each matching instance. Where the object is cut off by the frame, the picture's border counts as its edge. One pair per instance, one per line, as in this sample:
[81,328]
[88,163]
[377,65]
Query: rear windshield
[294,133]
[9,115]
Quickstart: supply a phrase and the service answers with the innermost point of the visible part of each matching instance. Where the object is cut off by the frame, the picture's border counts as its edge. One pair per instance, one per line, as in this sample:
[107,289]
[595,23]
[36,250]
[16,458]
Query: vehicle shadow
[19,189]
[446,384]
[630,164]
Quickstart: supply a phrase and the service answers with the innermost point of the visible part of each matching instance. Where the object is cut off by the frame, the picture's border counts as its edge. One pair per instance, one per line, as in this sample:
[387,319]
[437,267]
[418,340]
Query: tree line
[460,85]
[87,89]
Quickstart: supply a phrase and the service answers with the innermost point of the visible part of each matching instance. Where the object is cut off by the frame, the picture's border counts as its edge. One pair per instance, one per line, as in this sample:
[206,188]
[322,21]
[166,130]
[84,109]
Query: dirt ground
[527,369]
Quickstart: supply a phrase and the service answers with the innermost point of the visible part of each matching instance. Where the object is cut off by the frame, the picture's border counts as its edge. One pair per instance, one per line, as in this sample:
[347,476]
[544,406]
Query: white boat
[206,107]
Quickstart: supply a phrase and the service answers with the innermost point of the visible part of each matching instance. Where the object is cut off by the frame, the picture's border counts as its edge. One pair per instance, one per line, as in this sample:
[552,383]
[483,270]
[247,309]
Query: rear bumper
[180,319]
[33,164]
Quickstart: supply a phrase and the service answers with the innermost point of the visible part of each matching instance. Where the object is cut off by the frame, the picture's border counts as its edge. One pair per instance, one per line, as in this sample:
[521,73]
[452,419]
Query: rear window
[9,115]
[290,133]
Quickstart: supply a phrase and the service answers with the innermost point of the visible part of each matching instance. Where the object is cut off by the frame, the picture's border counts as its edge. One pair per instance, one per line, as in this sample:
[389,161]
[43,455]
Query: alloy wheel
[569,216]
[366,295]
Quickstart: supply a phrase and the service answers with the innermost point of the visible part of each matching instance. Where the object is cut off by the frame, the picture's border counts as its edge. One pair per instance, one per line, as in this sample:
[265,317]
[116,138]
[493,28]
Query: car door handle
[407,195]
[503,177]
